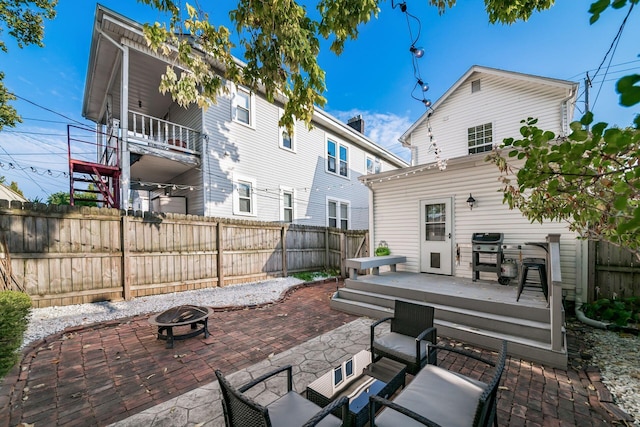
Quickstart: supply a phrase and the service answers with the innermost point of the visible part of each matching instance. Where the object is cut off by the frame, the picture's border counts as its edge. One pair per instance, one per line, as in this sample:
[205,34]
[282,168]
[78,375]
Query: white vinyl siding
[489,215]
[502,102]
[236,150]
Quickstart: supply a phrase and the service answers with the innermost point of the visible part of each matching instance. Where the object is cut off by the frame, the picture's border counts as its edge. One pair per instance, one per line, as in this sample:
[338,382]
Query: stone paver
[119,373]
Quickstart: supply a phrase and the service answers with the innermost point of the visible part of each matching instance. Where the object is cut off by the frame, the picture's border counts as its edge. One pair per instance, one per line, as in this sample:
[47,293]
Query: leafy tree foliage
[22,20]
[13,185]
[62,198]
[589,179]
[281,42]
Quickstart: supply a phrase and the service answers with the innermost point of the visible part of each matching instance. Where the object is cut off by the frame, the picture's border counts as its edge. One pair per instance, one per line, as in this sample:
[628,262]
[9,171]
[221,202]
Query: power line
[48,109]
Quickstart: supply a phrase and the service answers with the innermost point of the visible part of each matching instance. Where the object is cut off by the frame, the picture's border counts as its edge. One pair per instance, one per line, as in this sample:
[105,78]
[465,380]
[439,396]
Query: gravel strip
[617,354]
[47,321]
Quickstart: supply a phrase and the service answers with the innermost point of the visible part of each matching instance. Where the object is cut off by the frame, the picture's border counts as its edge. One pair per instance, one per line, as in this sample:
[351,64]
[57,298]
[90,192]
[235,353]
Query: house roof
[7,193]
[110,26]
[492,71]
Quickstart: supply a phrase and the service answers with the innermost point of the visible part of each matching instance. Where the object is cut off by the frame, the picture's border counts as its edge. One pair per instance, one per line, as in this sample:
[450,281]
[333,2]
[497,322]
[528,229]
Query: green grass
[310,276]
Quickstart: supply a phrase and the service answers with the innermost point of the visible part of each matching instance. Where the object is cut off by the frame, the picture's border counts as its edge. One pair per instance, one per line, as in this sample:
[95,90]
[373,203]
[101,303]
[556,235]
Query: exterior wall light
[471,201]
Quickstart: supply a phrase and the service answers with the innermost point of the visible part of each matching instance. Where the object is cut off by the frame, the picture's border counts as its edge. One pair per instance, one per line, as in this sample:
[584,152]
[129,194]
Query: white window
[373,165]
[338,214]
[480,138]
[286,139]
[337,158]
[244,198]
[287,204]
[243,106]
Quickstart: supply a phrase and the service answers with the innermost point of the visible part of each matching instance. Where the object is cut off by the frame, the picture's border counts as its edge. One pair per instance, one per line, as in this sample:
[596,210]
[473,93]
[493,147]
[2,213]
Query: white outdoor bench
[373,262]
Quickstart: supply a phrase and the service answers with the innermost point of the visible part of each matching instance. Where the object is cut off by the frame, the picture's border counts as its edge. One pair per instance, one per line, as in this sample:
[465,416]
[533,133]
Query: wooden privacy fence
[613,271]
[68,255]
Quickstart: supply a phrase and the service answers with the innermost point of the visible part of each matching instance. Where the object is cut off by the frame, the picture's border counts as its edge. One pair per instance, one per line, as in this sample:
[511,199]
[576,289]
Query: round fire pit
[183,315]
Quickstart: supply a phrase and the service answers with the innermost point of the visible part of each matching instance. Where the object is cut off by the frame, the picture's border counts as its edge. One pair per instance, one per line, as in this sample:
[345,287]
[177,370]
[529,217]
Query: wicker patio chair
[411,329]
[439,397]
[290,410]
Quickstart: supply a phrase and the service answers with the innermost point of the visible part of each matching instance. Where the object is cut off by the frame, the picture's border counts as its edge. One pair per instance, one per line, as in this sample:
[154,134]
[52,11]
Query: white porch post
[125,162]
[555,292]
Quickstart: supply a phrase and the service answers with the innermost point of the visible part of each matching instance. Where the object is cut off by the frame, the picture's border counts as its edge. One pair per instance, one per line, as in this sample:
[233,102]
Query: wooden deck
[482,313]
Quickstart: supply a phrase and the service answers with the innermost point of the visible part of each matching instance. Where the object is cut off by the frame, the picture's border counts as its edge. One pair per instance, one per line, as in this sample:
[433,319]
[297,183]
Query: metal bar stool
[540,265]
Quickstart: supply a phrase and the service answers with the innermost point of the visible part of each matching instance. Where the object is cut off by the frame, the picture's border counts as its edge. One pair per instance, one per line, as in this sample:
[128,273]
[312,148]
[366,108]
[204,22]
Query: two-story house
[423,211]
[230,160]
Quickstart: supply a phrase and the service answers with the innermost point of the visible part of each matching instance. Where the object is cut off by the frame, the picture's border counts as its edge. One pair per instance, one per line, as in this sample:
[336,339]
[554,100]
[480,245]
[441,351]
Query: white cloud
[382,128]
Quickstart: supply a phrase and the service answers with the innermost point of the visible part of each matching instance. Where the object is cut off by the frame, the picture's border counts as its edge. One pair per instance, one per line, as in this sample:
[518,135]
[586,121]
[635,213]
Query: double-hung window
[244,199]
[480,138]
[243,106]
[287,206]
[373,165]
[338,214]
[337,158]
[286,140]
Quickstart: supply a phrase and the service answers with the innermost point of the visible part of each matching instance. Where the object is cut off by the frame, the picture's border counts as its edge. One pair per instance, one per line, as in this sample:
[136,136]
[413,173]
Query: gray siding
[254,153]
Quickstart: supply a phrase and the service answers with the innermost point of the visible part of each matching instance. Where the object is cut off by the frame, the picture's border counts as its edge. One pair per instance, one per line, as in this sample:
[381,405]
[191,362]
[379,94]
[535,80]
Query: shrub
[14,310]
[618,311]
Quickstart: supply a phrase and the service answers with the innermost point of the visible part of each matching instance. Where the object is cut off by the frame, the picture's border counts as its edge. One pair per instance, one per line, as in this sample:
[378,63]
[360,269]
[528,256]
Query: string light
[416,54]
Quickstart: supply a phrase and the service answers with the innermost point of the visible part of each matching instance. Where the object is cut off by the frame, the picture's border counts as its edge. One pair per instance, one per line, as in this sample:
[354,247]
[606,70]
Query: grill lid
[488,238]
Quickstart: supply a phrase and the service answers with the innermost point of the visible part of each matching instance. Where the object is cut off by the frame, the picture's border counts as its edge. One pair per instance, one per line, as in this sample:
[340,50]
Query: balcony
[162,135]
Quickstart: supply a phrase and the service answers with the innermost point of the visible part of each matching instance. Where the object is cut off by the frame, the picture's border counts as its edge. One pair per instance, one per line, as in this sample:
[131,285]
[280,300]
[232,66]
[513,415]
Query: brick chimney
[357,123]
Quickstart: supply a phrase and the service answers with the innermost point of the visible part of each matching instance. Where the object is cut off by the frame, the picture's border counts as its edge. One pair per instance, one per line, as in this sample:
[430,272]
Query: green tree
[59,198]
[590,179]
[280,40]
[13,185]
[24,21]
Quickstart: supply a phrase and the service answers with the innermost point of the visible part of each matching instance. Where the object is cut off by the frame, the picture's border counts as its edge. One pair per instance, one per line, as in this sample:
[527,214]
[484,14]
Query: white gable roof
[569,85]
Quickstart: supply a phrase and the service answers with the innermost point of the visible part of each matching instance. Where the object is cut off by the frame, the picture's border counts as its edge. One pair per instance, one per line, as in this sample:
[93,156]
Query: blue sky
[373,76]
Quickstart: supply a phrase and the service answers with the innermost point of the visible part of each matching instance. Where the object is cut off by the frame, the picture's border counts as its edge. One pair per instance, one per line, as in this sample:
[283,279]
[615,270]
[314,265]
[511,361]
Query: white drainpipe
[581,286]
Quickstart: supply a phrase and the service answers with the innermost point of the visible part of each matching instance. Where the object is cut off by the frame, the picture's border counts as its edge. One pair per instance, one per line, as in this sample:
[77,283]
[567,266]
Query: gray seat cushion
[444,397]
[401,346]
[293,410]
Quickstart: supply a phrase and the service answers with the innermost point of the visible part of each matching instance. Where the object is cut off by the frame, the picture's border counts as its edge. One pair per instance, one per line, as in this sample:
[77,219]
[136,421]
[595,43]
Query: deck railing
[162,134]
[554,276]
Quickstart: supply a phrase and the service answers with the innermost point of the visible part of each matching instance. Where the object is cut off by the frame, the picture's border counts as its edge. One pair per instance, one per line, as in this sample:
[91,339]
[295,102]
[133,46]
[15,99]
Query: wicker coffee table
[358,378]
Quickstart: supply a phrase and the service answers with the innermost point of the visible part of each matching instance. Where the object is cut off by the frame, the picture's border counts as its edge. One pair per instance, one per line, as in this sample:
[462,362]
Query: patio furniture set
[371,387]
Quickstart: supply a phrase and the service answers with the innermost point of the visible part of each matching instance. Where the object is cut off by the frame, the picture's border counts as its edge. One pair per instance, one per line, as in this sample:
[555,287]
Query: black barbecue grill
[486,249]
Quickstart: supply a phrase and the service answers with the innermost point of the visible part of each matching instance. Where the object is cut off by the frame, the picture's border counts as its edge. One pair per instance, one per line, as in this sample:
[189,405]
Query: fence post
[343,254]
[219,255]
[326,249]
[283,240]
[126,265]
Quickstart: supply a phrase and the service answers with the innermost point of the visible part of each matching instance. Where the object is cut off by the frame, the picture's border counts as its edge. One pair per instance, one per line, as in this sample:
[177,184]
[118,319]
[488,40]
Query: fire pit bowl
[183,315]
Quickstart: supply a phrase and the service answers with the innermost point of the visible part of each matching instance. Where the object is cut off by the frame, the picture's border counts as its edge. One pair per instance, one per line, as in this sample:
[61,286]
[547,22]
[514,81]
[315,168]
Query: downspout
[580,288]
[564,112]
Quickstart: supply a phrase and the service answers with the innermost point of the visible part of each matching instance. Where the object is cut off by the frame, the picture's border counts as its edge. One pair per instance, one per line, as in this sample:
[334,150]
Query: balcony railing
[162,134]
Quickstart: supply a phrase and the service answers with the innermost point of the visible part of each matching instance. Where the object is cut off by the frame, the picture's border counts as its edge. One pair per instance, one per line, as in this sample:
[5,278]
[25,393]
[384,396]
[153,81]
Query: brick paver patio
[104,373]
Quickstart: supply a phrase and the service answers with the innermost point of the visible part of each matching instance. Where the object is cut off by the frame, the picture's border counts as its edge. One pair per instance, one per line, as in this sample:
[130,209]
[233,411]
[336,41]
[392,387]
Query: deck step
[458,300]
[539,331]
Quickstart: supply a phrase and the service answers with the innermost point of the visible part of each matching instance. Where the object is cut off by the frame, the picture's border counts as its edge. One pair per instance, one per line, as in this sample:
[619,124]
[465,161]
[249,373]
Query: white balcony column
[125,162]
